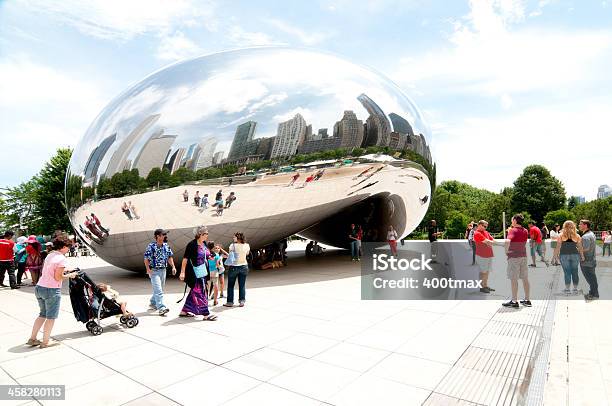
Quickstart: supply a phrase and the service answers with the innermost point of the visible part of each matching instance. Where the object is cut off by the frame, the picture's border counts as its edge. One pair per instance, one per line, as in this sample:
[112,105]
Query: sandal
[215,303]
[186,315]
[210,317]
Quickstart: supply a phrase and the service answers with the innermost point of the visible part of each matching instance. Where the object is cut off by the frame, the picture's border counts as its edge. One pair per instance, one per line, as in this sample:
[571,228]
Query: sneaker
[241,304]
[526,303]
[34,343]
[485,290]
[3,285]
[16,287]
[511,303]
[152,307]
[532,266]
[163,311]
[591,297]
[221,296]
[575,291]
[491,289]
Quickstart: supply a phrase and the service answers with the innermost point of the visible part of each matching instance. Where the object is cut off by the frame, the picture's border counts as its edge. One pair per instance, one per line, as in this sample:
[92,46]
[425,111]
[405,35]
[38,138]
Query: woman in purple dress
[196,254]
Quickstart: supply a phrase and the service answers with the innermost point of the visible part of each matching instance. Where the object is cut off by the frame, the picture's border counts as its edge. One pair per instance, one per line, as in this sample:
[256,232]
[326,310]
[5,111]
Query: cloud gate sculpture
[267,141]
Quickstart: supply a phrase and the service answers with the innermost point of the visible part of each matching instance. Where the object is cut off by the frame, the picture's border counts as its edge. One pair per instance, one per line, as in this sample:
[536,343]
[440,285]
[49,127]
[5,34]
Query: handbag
[232,258]
[200,270]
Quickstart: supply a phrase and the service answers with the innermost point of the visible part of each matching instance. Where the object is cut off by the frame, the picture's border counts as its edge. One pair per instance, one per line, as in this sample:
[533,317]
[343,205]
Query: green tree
[599,212]
[154,177]
[557,217]
[493,210]
[537,192]
[18,206]
[456,224]
[49,196]
[572,202]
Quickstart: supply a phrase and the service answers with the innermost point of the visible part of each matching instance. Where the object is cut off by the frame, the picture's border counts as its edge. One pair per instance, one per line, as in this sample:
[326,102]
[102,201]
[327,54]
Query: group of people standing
[219,203]
[570,250]
[26,255]
[202,269]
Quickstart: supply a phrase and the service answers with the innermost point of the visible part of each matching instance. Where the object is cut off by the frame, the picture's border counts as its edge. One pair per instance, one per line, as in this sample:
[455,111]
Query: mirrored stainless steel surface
[165,143]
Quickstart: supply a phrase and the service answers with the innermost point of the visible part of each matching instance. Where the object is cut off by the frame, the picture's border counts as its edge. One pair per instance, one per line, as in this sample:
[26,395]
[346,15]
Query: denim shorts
[48,301]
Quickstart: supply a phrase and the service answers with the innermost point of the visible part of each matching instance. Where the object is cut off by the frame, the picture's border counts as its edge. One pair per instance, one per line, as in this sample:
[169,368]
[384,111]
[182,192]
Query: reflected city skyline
[171,150]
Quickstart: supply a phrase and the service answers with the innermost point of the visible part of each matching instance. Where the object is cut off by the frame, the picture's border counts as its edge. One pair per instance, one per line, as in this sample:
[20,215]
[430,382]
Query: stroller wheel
[90,324]
[96,330]
[123,319]
[131,323]
[136,321]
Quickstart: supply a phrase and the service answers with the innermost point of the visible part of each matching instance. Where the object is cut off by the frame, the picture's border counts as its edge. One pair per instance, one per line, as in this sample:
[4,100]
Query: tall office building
[218,157]
[604,191]
[204,152]
[154,153]
[289,136]
[119,159]
[96,156]
[377,124]
[264,148]
[400,124]
[176,159]
[350,130]
[242,137]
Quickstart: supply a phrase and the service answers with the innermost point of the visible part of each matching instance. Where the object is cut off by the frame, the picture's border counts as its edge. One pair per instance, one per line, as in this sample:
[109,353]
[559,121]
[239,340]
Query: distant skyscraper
[581,199]
[244,134]
[323,144]
[308,135]
[176,159]
[154,153]
[604,191]
[204,152]
[218,157]
[96,156]
[264,148]
[400,124]
[377,124]
[120,156]
[289,136]
[350,130]
[322,133]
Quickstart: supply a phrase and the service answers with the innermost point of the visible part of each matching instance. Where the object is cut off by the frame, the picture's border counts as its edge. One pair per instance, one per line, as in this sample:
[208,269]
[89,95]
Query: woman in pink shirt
[48,291]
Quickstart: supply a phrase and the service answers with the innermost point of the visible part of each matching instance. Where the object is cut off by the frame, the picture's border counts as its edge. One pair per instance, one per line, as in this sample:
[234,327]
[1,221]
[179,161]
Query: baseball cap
[160,231]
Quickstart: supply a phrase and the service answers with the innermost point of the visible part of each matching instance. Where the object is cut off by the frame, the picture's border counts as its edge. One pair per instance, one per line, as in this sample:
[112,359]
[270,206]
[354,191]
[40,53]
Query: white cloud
[305,112]
[305,37]
[244,38]
[491,56]
[177,46]
[490,152]
[123,20]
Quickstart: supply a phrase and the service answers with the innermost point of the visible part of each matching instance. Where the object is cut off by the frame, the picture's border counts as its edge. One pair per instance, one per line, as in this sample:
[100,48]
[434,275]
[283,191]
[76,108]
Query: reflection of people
[229,200]
[196,198]
[98,223]
[204,201]
[516,252]
[126,210]
[219,205]
[230,181]
[185,196]
[294,178]
[309,248]
[156,257]
[133,210]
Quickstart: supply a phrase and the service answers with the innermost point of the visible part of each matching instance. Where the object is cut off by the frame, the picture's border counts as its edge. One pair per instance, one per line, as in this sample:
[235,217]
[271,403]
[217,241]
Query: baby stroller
[90,305]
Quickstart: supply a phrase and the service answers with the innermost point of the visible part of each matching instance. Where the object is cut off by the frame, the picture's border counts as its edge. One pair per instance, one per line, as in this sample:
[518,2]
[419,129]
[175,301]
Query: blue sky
[503,84]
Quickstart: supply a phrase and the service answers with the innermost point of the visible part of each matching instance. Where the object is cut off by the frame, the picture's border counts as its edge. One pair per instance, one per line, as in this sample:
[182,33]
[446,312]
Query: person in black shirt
[433,235]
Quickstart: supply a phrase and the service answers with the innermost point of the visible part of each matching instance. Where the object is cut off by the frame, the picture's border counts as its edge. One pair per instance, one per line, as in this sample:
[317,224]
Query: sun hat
[31,239]
[21,240]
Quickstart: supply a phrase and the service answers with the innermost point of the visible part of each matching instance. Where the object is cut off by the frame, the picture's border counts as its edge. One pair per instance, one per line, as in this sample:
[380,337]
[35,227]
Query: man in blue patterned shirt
[156,257]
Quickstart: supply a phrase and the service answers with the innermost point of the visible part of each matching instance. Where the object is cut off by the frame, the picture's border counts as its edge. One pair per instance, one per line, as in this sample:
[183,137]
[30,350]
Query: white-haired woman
[569,252]
[193,272]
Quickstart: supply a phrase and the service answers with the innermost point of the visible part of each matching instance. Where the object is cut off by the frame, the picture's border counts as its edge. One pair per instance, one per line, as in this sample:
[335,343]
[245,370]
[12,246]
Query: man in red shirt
[517,261]
[7,255]
[484,254]
[535,244]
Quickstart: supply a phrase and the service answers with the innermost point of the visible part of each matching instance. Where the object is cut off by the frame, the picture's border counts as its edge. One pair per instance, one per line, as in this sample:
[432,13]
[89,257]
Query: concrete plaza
[306,338]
